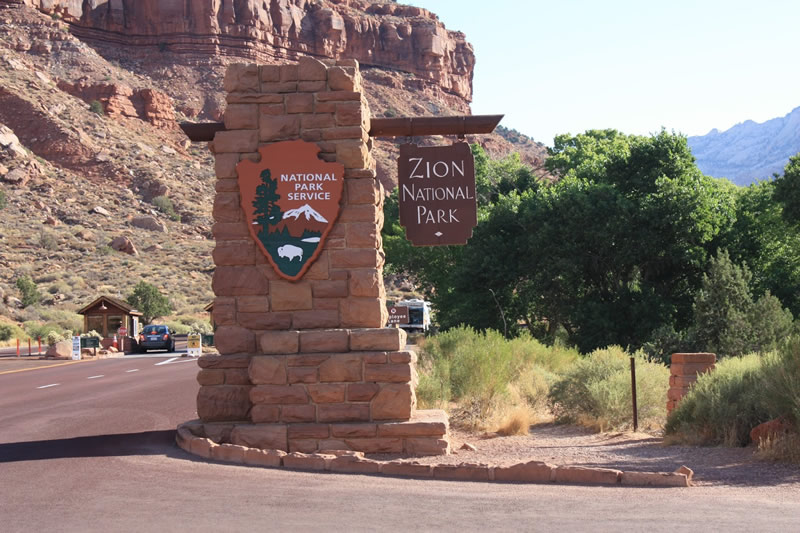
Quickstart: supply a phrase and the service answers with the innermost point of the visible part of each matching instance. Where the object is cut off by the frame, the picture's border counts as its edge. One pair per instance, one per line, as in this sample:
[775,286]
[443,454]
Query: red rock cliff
[382,34]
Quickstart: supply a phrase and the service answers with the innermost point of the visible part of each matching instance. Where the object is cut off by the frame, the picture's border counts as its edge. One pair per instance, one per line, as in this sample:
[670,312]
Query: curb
[350,462]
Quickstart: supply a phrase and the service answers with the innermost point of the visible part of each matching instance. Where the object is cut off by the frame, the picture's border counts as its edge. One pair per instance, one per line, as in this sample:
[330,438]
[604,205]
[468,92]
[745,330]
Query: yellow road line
[43,366]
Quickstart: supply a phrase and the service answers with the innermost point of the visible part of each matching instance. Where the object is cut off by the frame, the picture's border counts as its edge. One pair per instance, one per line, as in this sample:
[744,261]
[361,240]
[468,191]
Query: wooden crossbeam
[383,127]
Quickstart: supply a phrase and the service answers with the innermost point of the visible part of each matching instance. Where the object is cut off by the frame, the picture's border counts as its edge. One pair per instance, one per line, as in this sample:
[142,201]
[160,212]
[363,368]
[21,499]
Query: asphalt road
[89,447]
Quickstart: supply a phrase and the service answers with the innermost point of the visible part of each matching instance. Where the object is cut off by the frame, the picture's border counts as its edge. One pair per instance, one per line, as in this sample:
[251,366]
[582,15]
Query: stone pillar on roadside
[307,365]
[684,368]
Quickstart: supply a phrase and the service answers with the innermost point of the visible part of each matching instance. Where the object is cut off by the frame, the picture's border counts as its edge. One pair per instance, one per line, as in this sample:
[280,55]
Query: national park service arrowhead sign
[436,196]
[290,200]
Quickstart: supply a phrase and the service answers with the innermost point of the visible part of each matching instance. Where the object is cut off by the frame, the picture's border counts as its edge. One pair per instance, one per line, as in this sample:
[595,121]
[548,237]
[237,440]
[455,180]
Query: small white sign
[194,346]
[76,348]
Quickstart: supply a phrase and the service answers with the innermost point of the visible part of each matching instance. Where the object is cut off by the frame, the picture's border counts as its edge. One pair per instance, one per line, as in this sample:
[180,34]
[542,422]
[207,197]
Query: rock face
[748,151]
[381,34]
[149,105]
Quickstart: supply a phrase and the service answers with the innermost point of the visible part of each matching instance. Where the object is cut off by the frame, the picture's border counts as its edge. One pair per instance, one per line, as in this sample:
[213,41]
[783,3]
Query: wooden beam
[382,127]
[413,126]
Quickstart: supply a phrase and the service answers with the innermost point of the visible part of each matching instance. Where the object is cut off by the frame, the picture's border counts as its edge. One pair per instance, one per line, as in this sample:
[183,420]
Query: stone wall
[307,365]
[684,369]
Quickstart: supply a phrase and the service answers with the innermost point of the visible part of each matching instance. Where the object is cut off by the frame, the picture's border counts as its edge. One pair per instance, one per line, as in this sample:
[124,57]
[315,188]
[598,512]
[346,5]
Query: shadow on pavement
[144,443]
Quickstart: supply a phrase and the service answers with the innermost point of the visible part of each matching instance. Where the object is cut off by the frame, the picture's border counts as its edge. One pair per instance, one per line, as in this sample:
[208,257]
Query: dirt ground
[572,445]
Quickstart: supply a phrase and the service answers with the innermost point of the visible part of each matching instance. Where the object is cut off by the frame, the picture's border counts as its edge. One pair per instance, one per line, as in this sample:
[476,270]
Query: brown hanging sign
[437,193]
[291,201]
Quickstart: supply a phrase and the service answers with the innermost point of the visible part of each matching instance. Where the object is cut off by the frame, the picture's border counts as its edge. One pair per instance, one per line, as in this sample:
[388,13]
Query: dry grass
[783,447]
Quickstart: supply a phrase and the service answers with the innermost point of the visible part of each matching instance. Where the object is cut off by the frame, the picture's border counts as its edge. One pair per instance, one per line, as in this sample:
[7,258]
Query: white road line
[177,360]
[95,377]
[47,386]
[134,370]
[168,361]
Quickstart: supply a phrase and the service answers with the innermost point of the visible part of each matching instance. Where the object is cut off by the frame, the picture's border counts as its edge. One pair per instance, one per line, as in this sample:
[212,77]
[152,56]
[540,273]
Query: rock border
[351,462]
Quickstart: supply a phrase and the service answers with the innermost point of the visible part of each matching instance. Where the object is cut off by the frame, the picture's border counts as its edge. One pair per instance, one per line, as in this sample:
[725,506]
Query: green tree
[149,300]
[29,291]
[267,211]
[787,190]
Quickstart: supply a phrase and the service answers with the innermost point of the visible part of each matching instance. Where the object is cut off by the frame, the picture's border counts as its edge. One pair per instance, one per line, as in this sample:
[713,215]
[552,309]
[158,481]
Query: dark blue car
[156,337]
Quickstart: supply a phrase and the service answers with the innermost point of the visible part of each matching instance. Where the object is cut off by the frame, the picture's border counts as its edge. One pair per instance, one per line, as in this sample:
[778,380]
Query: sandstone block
[360,213]
[226,185]
[183,438]
[236,376]
[278,394]
[309,431]
[586,476]
[290,72]
[230,231]
[350,431]
[256,457]
[267,370]
[374,358]
[355,258]
[363,313]
[403,357]
[319,270]
[278,127]
[302,461]
[362,392]
[383,339]
[299,103]
[227,207]
[363,235]
[225,165]
[340,368]
[279,342]
[682,381]
[223,402]
[306,359]
[317,318]
[224,311]
[375,445]
[361,191]
[403,469]
[327,392]
[530,472]
[349,114]
[352,154]
[677,393]
[217,431]
[252,304]
[462,472]
[413,428]
[272,109]
[241,117]
[263,436]
[340,80]
[338,96]
[211,377]
[302,374]
[343,412]
[238,281]
[654,479]
[396,373]
[333,446]
[201,447]
[303,445]
[286,296]
[317,121]
[241,78]
[325,340]
[234,339]
[265,414]
[236,141]
[329,288]
[224,361]
[234,253]
[707,358]
[231,453]
[393,402]
[421,446]
[298,413]
[353,465]
[269,321]
[311,86]
[270,73]
[344,132]
[254,98]
[279,87]
[689,369]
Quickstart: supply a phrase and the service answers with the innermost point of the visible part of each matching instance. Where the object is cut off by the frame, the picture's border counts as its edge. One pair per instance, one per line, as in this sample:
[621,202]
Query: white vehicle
[419,315]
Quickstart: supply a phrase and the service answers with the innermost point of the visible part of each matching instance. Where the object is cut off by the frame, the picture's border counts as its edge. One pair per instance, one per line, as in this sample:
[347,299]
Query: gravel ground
[571,445]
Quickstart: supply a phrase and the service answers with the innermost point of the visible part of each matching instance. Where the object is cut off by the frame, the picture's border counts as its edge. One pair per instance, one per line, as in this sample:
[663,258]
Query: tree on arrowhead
[267,211]
[149,300]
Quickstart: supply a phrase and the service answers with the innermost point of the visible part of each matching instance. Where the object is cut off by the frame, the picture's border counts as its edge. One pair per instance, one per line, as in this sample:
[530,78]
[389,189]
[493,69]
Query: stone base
[424,434]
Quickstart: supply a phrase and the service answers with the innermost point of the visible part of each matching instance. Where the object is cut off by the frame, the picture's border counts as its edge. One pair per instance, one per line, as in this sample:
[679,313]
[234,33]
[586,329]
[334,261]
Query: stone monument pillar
[306,365]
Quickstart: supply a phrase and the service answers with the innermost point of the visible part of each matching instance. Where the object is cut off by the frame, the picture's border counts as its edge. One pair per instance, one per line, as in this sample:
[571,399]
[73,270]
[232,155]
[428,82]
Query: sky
[567,66]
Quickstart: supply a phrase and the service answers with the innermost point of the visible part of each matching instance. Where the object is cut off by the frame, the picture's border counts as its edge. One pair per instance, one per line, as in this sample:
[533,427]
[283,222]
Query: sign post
[194,345]
[76,348]
[122,332]
[437,193]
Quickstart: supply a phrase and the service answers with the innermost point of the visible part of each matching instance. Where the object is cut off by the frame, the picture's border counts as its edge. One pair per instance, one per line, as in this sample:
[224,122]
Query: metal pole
[29,347]
[40,345]
[633,395]
[17,347]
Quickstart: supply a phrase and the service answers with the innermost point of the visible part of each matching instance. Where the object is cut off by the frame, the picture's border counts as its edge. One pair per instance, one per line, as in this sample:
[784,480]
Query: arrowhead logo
[290,200]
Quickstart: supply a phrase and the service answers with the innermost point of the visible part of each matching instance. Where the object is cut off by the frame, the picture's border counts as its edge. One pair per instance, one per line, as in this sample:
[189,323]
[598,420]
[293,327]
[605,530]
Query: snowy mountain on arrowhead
[306,210]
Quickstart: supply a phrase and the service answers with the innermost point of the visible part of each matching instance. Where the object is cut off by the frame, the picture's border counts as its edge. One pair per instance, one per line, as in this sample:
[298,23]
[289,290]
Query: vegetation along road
[90,447]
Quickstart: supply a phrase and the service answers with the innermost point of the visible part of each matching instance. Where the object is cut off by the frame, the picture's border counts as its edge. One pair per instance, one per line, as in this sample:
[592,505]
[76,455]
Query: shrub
[149,300]
[6,331]
[596,391]
[48,240]
[29,291]
[39,330]
[3,200]
[96,107]
[54,337]
[164,204]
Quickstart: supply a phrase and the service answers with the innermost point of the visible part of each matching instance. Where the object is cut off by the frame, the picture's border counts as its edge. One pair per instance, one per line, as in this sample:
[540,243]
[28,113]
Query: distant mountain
[748,151]
[306,211]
